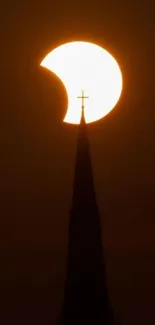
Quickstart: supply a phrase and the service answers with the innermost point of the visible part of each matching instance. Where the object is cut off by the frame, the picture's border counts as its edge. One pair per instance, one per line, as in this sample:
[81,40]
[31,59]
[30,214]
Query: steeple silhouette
[85,298]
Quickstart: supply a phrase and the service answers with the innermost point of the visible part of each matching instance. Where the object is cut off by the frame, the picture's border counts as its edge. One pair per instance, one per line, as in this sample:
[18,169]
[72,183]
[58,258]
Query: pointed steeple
[85,298]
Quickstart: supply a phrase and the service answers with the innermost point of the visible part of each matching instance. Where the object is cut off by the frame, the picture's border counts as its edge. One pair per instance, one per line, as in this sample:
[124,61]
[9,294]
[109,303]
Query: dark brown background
[38,158]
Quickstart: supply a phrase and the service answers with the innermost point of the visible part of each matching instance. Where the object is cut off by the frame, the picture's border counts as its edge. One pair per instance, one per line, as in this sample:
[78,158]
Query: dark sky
[38,158]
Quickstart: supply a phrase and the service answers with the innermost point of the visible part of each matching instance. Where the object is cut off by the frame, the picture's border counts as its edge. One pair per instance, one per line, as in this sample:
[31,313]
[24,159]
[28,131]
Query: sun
[87,67]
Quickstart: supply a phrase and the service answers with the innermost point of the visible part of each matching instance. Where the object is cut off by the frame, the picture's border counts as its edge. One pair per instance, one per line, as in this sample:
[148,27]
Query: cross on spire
[83,98]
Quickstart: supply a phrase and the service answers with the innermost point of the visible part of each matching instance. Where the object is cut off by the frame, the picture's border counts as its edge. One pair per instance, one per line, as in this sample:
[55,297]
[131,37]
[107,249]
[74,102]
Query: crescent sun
[84,66]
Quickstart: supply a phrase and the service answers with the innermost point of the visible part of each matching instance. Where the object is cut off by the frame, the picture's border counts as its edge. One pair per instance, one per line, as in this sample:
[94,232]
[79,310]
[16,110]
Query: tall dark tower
[86,299]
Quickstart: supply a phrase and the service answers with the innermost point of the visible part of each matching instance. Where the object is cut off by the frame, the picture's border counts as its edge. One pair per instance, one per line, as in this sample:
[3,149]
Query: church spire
[86,298]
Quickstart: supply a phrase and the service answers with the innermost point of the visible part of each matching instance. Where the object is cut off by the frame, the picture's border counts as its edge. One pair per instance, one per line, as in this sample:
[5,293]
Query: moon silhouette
[84,66]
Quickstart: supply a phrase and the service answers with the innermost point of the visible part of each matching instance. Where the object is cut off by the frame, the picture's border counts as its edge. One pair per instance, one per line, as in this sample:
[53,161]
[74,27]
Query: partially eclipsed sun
[87,67]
